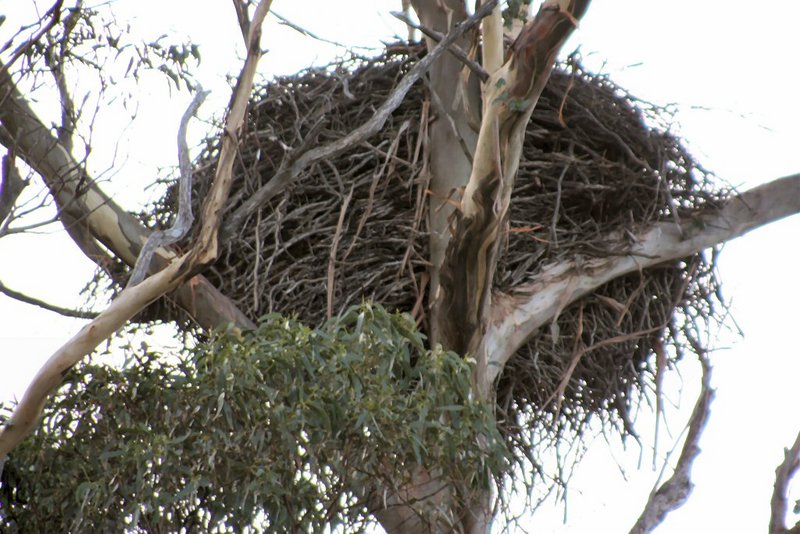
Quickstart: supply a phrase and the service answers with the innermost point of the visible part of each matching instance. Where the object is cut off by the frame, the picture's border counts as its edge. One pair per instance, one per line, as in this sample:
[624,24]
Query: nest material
[354,227]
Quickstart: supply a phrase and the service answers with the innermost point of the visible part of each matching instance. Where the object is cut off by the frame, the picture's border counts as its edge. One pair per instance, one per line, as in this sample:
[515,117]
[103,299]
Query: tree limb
[509,98]
[517,316]
[177,271]
[302,161]
[66,312]
[11,185]
[673,493]
[184,219]
[88,213]
[783,476]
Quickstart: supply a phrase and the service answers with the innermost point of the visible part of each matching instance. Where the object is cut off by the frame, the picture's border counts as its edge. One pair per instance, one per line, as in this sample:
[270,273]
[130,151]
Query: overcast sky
[731,70]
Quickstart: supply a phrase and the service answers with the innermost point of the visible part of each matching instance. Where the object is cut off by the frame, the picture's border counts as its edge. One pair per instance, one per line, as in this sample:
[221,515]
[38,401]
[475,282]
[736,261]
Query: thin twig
[454,49]
[66,312]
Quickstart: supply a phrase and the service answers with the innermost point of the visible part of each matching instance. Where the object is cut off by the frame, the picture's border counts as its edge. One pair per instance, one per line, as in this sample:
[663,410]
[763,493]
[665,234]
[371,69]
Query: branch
[456,50]
[509,98]
[517,316]
[492,32]
[66,312]
[91,216]
[673,493]
[783,476]
[183,221]
[131,300]
[300,162]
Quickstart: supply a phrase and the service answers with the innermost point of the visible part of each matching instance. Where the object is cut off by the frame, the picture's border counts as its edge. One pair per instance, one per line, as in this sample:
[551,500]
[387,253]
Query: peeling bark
[509,98]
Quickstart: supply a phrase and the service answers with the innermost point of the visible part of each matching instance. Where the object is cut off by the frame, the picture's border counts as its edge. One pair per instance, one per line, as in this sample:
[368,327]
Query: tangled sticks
[596,161]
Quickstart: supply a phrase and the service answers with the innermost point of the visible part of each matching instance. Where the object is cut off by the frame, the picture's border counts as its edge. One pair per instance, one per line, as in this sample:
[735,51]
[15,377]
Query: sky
[729,69]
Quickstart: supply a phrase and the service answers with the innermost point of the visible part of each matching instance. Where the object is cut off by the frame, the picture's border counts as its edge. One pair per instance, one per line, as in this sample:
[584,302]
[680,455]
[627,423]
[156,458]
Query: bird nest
[595,161]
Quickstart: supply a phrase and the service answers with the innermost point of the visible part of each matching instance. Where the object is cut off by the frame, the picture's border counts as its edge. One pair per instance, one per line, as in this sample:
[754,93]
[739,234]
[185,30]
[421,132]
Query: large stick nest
[354,227]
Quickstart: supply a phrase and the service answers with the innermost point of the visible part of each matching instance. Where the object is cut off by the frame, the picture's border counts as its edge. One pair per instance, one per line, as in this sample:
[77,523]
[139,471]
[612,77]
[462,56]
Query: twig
[360,134]
[66,312]
[183,221]
[454,49]
[673,493]
[55,16]
[302,31]
[783,476]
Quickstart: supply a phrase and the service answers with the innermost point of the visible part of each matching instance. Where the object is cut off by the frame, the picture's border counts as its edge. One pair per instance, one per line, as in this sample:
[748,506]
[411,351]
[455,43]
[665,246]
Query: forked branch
[133,299]
[674,492]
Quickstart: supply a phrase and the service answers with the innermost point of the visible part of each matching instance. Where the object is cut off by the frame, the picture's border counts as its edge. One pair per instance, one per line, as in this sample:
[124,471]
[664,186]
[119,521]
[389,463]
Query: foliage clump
[282,429]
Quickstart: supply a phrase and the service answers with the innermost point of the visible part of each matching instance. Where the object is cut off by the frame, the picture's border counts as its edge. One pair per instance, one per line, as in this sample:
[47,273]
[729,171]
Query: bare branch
[183,221]
[133,299]
[674,492]
[54,14]
[66,312]
[357,136]
[89,215]
[454,49]
[783,476]
[492,32]
[517,316]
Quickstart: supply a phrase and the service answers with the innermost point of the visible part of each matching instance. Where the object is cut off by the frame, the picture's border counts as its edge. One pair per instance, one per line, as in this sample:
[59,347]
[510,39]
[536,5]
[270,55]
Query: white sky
[731,69]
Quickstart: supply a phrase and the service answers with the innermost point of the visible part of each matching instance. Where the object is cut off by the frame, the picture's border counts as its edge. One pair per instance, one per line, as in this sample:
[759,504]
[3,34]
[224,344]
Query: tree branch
[133,299]
[783,476]
[517,316]
[11,186]
[509,98]
[88,214]
[302,161]
[184,219]
[673,493]
[66,312]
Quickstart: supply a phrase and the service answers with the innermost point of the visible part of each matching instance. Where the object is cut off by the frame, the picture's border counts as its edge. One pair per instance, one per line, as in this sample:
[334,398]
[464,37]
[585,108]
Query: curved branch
[517,316]
[66,312]
[131,300]
[183,221]
[783,475]
[673,493]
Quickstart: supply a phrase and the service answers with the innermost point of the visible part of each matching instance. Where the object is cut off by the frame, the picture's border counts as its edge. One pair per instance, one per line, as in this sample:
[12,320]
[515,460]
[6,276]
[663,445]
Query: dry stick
[783,475]
[673,493]
[133,299]
[454,49]
[183,222]
[360,134]
[66,312]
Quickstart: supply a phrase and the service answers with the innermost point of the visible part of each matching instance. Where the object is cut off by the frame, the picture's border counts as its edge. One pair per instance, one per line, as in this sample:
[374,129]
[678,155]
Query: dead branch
[783,476]
[301,161]
[66,312]
[183,221]
[674,492]
[133,299]
[456,50]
